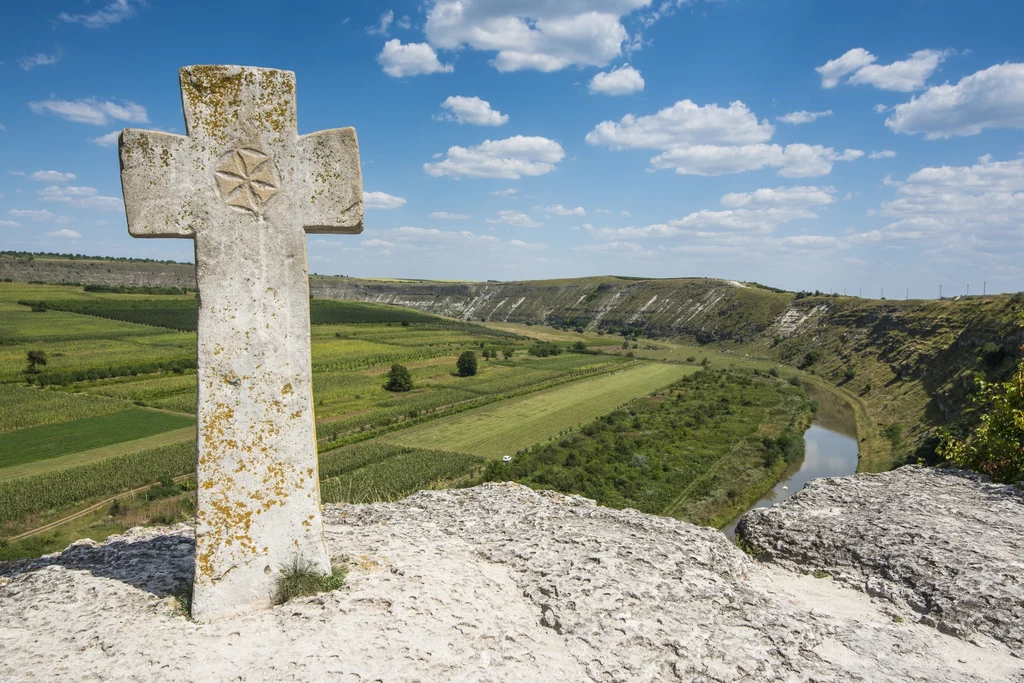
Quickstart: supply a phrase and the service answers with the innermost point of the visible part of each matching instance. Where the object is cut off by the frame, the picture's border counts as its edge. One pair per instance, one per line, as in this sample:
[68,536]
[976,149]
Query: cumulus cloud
[52,176]
[622,81]
[30,62]
[516,218]
[985,200]
[545,35]
[559,210]
[444,243]
[65,232]
[472,110]
[9,224]
[411,59]
[882,154]
[381,200]
[381,29]
[113,13]
[91,110]
[861,68]
[39,215]
[509,158]
[991,98]
[108,140]
[447,216]
[799,196]
[81,197]
[711,140]
[798,117]
[510,192]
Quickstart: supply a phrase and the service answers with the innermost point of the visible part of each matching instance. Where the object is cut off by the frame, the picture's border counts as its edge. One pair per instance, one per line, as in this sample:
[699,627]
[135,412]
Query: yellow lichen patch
[287,389]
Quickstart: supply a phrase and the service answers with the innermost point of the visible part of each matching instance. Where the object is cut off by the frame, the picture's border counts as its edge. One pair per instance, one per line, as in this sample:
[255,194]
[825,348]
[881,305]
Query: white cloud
[622,81]
[903,76]
[780,196]
[684,123]
[411,59]
[794,161]
[52,176]
[30,62]
[108,140]
[39,215]
[625,248]
[114,13]
[381,200]
[882,154]
[446,216]
[509,158]
[516,218]
[473,110]
[880,108]
[64,232]
[627,214]
[991,98]
[798,117]
[91,110]
[559,210]
[3,127]
[834,70]
[377,243]
[80,197]
[405,23]
[510,192]
[381,29]
[445,243]
[10,224]
[984,200]
[546,35]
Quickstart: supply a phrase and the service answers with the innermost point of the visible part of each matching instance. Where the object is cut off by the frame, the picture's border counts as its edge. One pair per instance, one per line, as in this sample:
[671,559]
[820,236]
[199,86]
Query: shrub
[466,364]
[399,378]
[299,578]
[997,445]
[849,373]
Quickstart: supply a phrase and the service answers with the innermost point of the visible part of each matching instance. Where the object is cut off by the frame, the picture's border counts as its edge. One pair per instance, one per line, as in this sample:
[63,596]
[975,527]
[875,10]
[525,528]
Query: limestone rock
[945,547]
[493,583]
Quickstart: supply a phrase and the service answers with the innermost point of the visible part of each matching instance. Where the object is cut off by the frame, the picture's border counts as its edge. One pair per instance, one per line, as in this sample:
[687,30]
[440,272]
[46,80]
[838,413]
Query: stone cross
[246,187]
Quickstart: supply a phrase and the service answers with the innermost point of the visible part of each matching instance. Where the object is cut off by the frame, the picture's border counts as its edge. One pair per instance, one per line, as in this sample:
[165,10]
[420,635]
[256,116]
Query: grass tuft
[299,579]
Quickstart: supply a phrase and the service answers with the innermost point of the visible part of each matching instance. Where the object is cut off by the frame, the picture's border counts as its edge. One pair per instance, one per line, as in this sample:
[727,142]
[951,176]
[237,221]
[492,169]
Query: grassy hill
[912,363]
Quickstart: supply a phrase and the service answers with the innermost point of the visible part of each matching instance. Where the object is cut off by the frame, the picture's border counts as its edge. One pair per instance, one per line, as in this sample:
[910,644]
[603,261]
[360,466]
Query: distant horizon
[87,257]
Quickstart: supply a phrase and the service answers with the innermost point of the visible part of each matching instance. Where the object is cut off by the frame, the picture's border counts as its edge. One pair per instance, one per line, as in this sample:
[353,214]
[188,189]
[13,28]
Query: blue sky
[804,144]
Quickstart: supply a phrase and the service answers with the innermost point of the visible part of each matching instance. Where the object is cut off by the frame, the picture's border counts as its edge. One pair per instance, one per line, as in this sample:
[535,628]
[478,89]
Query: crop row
[22,407]
[20,497]
[396,476]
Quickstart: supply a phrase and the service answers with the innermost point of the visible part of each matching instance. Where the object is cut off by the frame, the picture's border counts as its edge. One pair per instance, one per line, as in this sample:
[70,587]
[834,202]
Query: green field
[504,428]
[53,440]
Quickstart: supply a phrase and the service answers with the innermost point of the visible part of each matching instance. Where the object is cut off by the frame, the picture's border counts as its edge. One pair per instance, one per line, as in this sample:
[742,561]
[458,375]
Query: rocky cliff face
[497,582]
[943,547]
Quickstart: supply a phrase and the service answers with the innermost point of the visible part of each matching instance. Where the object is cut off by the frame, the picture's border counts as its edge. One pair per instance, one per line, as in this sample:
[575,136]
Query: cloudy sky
[800,143]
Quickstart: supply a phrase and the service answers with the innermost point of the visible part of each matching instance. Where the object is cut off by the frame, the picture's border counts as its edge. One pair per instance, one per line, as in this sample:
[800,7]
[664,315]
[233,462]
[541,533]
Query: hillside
[912,363]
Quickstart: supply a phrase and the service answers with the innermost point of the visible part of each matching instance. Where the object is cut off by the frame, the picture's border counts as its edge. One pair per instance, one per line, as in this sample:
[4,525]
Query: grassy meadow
[112,408]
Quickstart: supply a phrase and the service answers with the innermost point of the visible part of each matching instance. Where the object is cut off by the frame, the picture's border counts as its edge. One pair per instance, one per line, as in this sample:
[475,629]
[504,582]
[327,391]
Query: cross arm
[156,169]
[332,201]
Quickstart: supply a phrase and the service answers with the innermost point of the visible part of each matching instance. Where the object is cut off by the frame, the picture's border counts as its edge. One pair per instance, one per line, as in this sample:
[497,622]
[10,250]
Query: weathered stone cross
[247,188]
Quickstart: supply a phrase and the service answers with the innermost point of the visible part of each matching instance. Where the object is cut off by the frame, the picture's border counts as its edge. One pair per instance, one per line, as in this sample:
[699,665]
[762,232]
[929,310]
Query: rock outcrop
[944,547]
[497,582]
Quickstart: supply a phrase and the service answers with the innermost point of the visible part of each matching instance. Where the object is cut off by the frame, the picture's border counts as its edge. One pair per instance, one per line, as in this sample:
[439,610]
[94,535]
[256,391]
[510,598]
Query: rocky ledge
[945,547]
[497,582]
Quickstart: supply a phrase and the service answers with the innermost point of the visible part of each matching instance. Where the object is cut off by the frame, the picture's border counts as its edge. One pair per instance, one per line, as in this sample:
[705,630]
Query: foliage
[849,373]
[393,472]
[399,378]
[299,578]
[466,364]
[330,312]
[654,454]
[20,497]
[544,349]
[132,289]
[22,407]
[997,445]
[177,313]
[35,359]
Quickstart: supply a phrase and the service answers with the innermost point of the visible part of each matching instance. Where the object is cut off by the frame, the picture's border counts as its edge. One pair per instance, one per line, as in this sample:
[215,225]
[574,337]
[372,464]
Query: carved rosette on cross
[247,188]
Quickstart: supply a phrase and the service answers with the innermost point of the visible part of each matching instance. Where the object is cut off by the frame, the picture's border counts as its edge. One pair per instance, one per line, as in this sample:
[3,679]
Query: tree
[467,364]
[35,359]
[997,445]
[508,352]
[399,378]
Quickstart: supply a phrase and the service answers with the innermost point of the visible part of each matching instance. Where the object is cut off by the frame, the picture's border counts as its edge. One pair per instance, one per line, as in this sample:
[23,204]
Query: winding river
[831,451]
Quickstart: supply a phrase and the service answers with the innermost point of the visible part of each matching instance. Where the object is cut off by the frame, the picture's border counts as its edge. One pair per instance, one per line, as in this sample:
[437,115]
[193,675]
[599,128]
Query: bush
[810,358]
[849,373]
[299,579]
[466,364]
[997,445]
[399,378]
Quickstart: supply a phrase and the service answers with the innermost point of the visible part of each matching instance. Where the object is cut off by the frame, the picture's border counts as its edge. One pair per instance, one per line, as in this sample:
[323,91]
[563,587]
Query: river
[830,451]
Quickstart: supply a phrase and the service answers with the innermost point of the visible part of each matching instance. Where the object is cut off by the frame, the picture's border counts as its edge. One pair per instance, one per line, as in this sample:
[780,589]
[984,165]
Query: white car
[507,458]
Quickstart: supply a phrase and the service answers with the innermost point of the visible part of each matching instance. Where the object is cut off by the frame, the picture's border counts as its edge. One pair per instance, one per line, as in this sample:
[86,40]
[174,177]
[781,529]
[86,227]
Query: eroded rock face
[497,582]
[945,547]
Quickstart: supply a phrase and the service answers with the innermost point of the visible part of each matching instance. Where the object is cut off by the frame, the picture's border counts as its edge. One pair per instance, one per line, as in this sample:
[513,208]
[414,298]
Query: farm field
[506,427]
